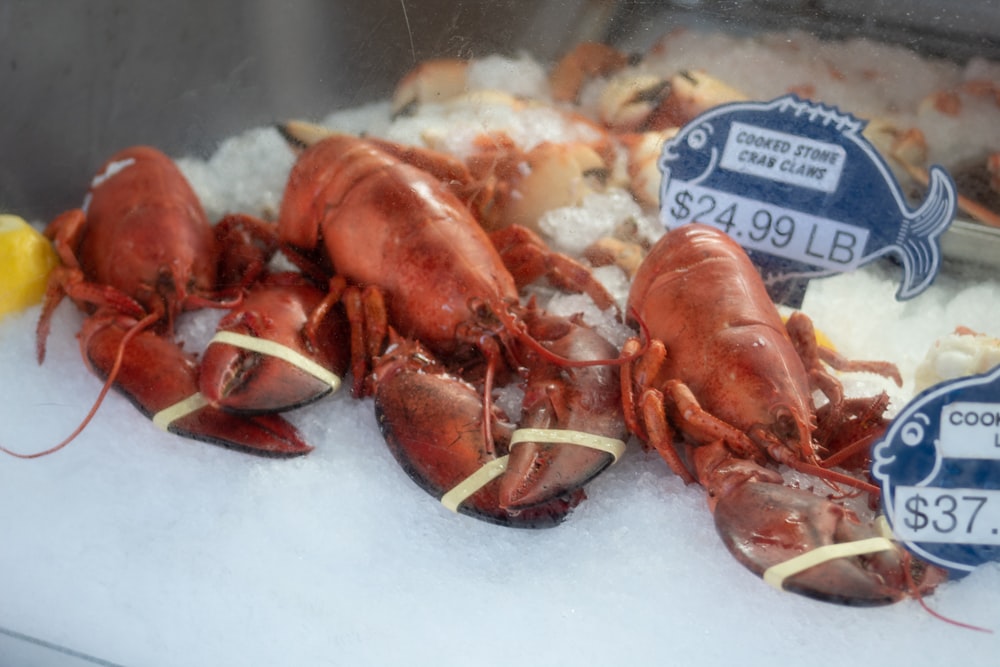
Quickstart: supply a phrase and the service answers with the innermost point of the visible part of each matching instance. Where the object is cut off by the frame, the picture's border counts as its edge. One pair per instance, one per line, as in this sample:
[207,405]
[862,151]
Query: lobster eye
[788,426]
[480,308]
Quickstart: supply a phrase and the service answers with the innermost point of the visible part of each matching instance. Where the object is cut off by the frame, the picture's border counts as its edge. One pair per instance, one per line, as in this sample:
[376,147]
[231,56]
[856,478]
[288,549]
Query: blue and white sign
[939,469]
[800,188]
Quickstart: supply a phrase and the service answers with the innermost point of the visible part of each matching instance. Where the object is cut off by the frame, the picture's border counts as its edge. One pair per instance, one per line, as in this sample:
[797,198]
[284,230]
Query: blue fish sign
[800,188]
[939,469]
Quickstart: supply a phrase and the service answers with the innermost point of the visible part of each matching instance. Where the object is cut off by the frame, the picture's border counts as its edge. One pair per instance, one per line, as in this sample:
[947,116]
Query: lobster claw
[572,425]
[538,472]
[432,423]
[162,381]
[767,525]
[284,346]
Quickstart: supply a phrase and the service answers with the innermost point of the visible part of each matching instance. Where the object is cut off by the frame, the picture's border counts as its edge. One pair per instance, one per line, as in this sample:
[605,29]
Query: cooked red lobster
[417,264]
[139,253]
[725,395]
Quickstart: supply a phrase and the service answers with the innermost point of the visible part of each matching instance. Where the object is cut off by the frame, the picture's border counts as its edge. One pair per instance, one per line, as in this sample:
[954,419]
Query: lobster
[420,271]
[138,253]
[724,394]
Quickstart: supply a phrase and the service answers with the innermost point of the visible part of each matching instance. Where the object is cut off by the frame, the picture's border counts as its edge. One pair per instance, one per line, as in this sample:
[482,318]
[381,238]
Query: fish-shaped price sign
[804,192]
[939,469]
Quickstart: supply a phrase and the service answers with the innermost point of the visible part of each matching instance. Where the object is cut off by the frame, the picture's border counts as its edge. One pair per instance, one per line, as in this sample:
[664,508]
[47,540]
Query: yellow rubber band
[273,349]
[493,469]
[776,574]
[477,480]
[167,416]
[612,446]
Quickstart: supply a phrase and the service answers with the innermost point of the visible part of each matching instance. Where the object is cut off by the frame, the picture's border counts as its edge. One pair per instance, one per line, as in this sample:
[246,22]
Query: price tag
[959,516]
[939,468]
[802,190]
[771,229]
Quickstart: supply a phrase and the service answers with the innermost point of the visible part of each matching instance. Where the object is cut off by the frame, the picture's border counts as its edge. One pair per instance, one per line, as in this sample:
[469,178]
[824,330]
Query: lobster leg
[245,245]
[528,258]
[846,426]
[803,336]
[65,231]
[369,329]
[756,445]
[155,374]
[648,413]
[69,281]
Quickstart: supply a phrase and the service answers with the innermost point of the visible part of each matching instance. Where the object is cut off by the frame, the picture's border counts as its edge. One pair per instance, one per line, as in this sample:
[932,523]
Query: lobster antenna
[915,590]
[832,476]
[112,376]
[862,444]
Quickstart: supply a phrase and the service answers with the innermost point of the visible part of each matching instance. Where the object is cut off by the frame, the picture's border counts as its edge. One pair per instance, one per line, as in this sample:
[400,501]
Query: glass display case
[132,545]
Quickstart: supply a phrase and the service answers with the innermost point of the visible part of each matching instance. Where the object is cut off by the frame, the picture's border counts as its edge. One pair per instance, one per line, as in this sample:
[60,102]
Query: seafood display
[485,266]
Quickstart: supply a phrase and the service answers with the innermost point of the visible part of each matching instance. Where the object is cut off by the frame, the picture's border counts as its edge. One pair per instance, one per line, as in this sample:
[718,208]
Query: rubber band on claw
[493,469]
[273,349]
[167,416]
[612,446]
[777,574]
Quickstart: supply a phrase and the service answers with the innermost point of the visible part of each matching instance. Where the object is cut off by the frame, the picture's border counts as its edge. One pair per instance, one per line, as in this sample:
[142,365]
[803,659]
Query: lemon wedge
[26,258]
